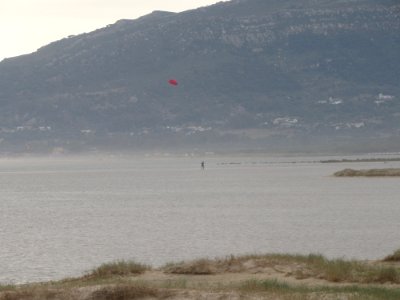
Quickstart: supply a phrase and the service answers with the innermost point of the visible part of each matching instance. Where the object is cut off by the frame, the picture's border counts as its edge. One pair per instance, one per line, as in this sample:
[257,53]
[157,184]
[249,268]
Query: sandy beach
[270,276]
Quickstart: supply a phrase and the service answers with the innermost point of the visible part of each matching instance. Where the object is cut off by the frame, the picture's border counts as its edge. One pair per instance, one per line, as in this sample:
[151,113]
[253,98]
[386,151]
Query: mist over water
[62,217]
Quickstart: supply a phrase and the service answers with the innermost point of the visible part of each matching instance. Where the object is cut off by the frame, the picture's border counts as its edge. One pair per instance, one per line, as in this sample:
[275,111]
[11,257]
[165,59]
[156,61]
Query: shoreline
[388,172]
[269,276]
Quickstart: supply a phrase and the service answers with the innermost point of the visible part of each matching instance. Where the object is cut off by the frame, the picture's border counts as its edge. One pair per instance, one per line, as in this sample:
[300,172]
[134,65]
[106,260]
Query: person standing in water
[202,165]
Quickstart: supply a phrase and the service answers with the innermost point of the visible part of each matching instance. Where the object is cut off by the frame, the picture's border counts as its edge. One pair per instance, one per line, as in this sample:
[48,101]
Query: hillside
[253,74]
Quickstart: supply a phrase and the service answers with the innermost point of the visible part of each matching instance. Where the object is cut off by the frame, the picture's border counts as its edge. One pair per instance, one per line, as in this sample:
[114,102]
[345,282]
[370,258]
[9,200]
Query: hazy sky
[26,25]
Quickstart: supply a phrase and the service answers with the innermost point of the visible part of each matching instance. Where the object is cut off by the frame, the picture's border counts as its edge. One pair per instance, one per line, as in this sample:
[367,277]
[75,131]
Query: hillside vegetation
[259,74]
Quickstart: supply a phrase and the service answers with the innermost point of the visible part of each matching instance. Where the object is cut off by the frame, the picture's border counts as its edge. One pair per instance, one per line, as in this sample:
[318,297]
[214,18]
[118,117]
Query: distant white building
[285,121]
[385,97]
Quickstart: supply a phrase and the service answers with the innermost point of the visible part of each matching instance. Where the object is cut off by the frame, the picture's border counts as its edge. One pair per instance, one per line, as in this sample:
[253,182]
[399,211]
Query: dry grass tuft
[196,267]
[393,257]
[118,268]
[383,275]
[337,270]
[33,294]
[125,292]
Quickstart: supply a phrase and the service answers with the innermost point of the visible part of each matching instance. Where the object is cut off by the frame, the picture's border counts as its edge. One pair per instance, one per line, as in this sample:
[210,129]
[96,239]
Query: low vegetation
[118,268]
[269,276]
[368,173]
[286,291]
[298,266]
[197,267]
[393,257]
[128,291]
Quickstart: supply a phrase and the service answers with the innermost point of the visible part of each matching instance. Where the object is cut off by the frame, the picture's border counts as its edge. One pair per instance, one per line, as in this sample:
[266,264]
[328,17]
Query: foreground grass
[250,289]
[393,257]
[353,292]
[301,267]
[123,280]
[129,291]
[105,292]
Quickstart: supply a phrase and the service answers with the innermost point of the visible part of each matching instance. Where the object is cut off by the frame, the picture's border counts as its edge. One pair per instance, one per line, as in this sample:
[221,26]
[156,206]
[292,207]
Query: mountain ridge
[290,71]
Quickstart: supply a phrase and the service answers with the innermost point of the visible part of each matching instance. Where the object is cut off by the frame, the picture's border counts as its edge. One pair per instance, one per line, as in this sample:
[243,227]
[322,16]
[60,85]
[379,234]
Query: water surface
[61,217]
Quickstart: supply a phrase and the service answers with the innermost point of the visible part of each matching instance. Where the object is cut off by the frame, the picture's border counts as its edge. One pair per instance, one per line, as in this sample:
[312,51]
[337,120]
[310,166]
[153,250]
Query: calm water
[61,217]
